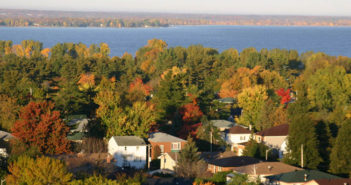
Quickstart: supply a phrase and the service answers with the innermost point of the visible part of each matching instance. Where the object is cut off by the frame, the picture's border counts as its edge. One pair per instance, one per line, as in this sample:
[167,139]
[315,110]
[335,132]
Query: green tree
[189,161]
[302,133]
[341,152]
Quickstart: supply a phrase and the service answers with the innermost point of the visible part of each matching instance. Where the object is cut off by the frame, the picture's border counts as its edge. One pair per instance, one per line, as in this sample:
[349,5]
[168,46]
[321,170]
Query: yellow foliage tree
[41,171]
[251,100]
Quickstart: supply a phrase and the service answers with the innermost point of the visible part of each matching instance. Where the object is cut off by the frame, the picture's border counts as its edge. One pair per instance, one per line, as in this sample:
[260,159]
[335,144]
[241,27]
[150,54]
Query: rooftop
[280,130]
[228,159]
[340,181]
[299,176]
[129,140]
[267,168]
[239,130]
[222,123]
[163,137]
[5,135]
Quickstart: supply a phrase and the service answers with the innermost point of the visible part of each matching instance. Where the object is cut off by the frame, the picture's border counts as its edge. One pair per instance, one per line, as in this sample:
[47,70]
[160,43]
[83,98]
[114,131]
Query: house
[226,161]
[263,169]
[166,143]
[236,137]
[340,181]
[275,137]
[222,125]
[128,151]
[300,177]
[4,137]
[168,161]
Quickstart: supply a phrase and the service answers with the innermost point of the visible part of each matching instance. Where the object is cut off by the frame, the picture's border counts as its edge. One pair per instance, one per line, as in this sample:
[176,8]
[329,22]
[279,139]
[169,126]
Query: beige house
[168,160]
[275,137]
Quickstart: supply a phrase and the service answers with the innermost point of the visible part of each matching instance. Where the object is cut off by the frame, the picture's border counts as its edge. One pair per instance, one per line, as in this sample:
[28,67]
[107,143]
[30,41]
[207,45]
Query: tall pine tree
[341,153]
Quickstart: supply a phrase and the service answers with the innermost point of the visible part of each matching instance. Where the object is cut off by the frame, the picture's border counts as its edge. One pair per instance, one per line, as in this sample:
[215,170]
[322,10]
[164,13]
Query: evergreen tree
[302,132]
[341,153]
[189,161]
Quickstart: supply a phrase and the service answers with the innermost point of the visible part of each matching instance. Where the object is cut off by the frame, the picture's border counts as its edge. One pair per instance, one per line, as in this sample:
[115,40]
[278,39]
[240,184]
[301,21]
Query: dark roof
[222,123]
[228,159]
[299,176]
[280,130]
[163,137]
[239,130]
[267,168]
[333,181]
[129,140]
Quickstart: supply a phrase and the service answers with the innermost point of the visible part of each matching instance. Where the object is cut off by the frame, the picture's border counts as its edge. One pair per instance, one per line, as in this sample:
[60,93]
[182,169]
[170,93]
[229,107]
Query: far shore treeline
[177,90]
[42,18]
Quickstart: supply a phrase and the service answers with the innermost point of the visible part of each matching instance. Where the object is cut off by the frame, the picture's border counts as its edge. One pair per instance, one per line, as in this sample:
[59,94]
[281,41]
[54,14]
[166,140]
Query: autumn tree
[238,80]
[39,125]
[123,119]
[8,112]
[138,90]
[251,100]
[43,170]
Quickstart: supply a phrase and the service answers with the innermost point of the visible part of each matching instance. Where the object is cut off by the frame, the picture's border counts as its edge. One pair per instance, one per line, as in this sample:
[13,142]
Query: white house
[238,134]
[237,137]
[128,151]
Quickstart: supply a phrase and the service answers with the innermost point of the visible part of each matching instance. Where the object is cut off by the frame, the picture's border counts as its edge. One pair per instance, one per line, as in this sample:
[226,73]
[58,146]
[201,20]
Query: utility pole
[211,140]
[301,155]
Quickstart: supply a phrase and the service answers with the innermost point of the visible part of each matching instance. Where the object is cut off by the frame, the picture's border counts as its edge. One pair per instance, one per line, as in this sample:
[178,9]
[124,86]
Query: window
[242,137]
[175,146]
[137,147]
[125,148]
[162,148]
[219,168]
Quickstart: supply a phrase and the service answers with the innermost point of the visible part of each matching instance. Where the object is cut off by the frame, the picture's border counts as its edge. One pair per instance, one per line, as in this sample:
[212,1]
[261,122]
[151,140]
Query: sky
[252,7]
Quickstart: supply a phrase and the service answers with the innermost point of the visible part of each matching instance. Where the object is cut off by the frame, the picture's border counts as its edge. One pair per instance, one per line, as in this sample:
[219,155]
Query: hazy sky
[281,7]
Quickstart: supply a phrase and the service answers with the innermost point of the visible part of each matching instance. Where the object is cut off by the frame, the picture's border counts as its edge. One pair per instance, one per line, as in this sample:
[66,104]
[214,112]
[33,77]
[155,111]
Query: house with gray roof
[164,143]
[128,151]
[222,125]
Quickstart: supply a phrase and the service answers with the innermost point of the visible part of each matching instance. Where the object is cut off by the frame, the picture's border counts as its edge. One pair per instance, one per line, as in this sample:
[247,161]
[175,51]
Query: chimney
[250,127]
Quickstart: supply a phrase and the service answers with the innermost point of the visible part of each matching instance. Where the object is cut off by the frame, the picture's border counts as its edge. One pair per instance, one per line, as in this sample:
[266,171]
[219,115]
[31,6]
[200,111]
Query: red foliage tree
[39,125]
[189,129]
[284,95]
[191,114]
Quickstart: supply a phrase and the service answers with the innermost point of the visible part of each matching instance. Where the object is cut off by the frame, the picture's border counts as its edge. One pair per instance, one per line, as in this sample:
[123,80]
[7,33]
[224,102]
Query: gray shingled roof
[5,135]
[129,140]
[163,137]
[222,123]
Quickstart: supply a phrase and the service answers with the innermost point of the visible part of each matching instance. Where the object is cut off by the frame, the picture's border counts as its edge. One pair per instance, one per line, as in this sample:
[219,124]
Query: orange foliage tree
[240,79]
[39,125]
[86,81]
[284,95]
[191,114]
[138,90]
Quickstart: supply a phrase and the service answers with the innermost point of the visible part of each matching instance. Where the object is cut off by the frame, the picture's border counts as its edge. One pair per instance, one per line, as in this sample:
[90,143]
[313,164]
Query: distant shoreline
[41,18]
